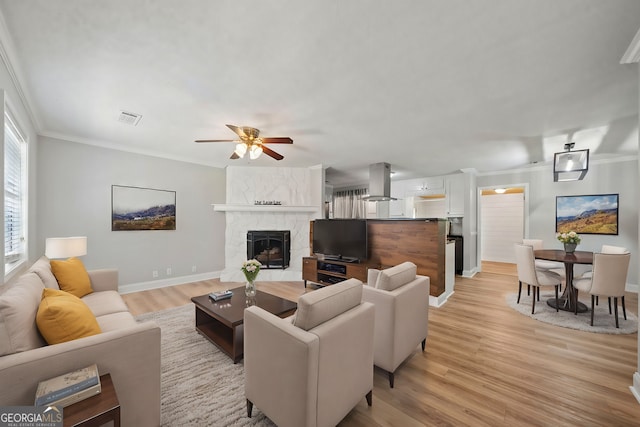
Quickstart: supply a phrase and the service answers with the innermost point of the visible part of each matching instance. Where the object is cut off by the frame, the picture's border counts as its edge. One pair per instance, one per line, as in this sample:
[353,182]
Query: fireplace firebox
[272,248]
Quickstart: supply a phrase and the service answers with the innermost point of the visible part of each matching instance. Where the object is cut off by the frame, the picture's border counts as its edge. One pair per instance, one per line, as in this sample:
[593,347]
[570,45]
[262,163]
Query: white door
[502,224]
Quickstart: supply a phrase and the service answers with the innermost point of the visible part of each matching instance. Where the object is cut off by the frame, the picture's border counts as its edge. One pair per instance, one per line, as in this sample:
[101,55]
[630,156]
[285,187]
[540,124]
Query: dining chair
[609,279]
[543,264]
[606,249]
[529,274]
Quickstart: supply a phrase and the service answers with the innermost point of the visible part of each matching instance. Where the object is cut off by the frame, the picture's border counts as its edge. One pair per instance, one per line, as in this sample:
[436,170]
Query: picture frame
[588,214]
[138,208]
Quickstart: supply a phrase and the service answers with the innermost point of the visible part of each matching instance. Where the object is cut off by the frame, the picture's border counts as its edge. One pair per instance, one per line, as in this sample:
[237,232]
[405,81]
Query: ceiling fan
[251,141]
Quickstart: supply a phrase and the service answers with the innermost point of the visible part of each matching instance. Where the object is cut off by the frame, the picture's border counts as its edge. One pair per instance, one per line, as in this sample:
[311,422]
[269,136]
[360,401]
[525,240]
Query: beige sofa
[128,350]
[311,370]
[401,300]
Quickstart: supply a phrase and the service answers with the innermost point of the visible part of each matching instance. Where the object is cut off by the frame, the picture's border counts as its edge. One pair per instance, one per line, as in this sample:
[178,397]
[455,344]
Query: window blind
[14,193]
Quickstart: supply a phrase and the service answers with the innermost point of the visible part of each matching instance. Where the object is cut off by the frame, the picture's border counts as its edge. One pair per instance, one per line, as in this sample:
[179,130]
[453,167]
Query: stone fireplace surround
[300,191]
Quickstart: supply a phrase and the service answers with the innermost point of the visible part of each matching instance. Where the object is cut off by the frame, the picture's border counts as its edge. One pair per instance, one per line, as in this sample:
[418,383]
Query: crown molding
[7,53]
[632,55]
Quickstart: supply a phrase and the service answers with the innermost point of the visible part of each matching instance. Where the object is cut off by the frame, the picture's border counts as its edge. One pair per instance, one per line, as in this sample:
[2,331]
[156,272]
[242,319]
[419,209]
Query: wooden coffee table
[221,322]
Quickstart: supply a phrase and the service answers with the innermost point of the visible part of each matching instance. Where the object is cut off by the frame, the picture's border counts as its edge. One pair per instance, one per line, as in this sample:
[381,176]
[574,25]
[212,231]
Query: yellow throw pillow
[72,277]
[64,317]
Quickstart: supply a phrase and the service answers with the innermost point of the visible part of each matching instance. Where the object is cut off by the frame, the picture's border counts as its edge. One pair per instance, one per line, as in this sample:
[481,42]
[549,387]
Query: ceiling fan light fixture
[241,149]
[255,151]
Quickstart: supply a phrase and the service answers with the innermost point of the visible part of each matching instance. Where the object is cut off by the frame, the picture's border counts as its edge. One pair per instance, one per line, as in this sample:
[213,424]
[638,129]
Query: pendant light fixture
[570,165]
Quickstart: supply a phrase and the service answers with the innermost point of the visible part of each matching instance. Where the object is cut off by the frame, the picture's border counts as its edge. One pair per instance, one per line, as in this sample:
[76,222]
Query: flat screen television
[340,239]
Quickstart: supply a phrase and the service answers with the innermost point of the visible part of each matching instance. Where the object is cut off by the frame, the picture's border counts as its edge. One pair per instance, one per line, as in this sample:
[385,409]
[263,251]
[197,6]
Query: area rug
[200,385]
[603,322]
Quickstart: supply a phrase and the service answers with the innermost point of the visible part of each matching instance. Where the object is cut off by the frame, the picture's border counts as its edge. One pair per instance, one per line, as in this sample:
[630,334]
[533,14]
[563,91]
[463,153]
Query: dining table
[569,300]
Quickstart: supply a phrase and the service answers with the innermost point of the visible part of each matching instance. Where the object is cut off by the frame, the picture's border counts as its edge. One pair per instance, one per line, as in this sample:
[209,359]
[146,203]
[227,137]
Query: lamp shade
[65,247]
[570,165]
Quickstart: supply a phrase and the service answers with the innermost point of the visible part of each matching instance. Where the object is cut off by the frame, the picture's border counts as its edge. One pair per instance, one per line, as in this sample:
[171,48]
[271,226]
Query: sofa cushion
[115,321]
[105,302]
[42,268]
[319,306]
[64,317]
[394,277]
[18,307]
[72,276]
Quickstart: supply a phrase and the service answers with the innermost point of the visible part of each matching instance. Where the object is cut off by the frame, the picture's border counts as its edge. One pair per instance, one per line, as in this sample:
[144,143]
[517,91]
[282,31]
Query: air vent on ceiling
[129,118]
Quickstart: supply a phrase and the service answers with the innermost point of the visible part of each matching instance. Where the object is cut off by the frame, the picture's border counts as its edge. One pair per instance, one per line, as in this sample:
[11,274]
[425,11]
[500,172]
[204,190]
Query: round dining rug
[603,322]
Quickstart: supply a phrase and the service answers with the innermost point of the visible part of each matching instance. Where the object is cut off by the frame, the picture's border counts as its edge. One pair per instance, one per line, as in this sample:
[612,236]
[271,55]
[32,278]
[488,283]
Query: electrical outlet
[194,269]
[168,271]
[154,273]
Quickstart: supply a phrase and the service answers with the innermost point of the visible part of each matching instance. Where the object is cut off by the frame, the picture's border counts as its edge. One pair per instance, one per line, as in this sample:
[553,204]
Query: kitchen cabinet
[397,207]
[455,194]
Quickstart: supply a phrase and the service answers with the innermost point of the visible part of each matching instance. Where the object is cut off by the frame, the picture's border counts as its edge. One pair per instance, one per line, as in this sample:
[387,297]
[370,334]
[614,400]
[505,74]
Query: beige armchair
[529,274]
[313,369]
[401,299]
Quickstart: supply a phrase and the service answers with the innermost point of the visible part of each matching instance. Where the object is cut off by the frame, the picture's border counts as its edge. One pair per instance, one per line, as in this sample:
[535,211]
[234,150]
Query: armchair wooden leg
[593,298]
[391,378]
[538,294]
[597,299]
[424,341]
[615,309]
[249,408]
[528,289]
[624,310]
[369,397]
[533,301]
[609,299]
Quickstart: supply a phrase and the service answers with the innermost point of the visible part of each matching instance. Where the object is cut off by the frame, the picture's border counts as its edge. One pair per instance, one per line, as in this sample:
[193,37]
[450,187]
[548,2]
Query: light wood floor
[485,364]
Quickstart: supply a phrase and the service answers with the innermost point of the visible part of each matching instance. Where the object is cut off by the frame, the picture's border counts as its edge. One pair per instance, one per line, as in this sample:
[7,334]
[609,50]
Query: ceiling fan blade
[238,131]
[277,140]
[270,152]
[215,140]
[234,156]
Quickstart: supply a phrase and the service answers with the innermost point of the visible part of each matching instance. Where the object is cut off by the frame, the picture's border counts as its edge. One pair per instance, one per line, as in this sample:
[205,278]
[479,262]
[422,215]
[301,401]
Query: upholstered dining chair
[608,279]
[606,249]
[542,264]
[529,274]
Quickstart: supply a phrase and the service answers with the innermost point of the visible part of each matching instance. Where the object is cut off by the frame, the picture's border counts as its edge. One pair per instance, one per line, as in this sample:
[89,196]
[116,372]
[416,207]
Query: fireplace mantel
[263,208]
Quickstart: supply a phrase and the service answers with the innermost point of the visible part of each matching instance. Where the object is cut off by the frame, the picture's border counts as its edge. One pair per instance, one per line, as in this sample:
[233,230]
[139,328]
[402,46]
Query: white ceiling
[429,86]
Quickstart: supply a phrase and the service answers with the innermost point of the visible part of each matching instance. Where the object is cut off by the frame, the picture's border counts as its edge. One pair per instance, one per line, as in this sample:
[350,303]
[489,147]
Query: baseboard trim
[635,389]
[470,273]
[155,284]
[440,300]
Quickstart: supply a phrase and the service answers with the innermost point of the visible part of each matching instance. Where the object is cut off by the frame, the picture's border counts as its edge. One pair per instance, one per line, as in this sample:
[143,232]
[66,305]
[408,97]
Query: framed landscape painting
[597,214]
[135,208]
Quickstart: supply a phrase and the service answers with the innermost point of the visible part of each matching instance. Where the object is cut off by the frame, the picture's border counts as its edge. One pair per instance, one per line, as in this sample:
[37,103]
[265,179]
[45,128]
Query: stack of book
[69,388]
[217,296]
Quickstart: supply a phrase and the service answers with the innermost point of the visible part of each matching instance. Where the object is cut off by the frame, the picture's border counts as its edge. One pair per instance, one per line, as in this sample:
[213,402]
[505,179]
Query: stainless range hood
[379,183]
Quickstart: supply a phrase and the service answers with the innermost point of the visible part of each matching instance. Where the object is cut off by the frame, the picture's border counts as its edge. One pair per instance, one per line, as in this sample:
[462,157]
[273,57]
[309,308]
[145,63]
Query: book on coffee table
[69,388]
[217,296]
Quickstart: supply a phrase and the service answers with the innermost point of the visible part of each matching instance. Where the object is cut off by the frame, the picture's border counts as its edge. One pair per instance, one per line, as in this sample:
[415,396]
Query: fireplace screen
[271,248]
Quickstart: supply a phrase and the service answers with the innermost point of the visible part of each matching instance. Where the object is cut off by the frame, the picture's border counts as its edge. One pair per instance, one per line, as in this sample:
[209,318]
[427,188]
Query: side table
[96,410]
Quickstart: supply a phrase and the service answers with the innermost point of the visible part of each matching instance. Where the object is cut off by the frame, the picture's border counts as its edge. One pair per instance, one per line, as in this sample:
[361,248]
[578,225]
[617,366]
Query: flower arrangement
[570,237]
[251,268]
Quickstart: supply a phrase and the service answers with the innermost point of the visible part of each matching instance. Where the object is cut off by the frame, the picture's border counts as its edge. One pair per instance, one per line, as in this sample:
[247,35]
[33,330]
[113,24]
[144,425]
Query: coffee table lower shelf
[221,322]
[229,339]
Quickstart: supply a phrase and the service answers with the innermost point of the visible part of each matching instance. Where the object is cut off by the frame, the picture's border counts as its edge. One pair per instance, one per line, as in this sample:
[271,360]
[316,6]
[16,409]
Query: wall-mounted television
[340,239]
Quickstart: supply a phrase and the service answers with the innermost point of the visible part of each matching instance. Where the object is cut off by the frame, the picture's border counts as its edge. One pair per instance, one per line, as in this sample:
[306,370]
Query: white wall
[604,177]
[74,198]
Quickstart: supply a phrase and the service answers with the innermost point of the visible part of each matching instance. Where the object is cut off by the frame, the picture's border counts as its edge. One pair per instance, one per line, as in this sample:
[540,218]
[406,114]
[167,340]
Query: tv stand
[340,258]
[329,271]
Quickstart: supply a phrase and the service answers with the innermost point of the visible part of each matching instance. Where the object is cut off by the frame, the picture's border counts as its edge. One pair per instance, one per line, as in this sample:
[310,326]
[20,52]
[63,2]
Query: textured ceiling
[427,86]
